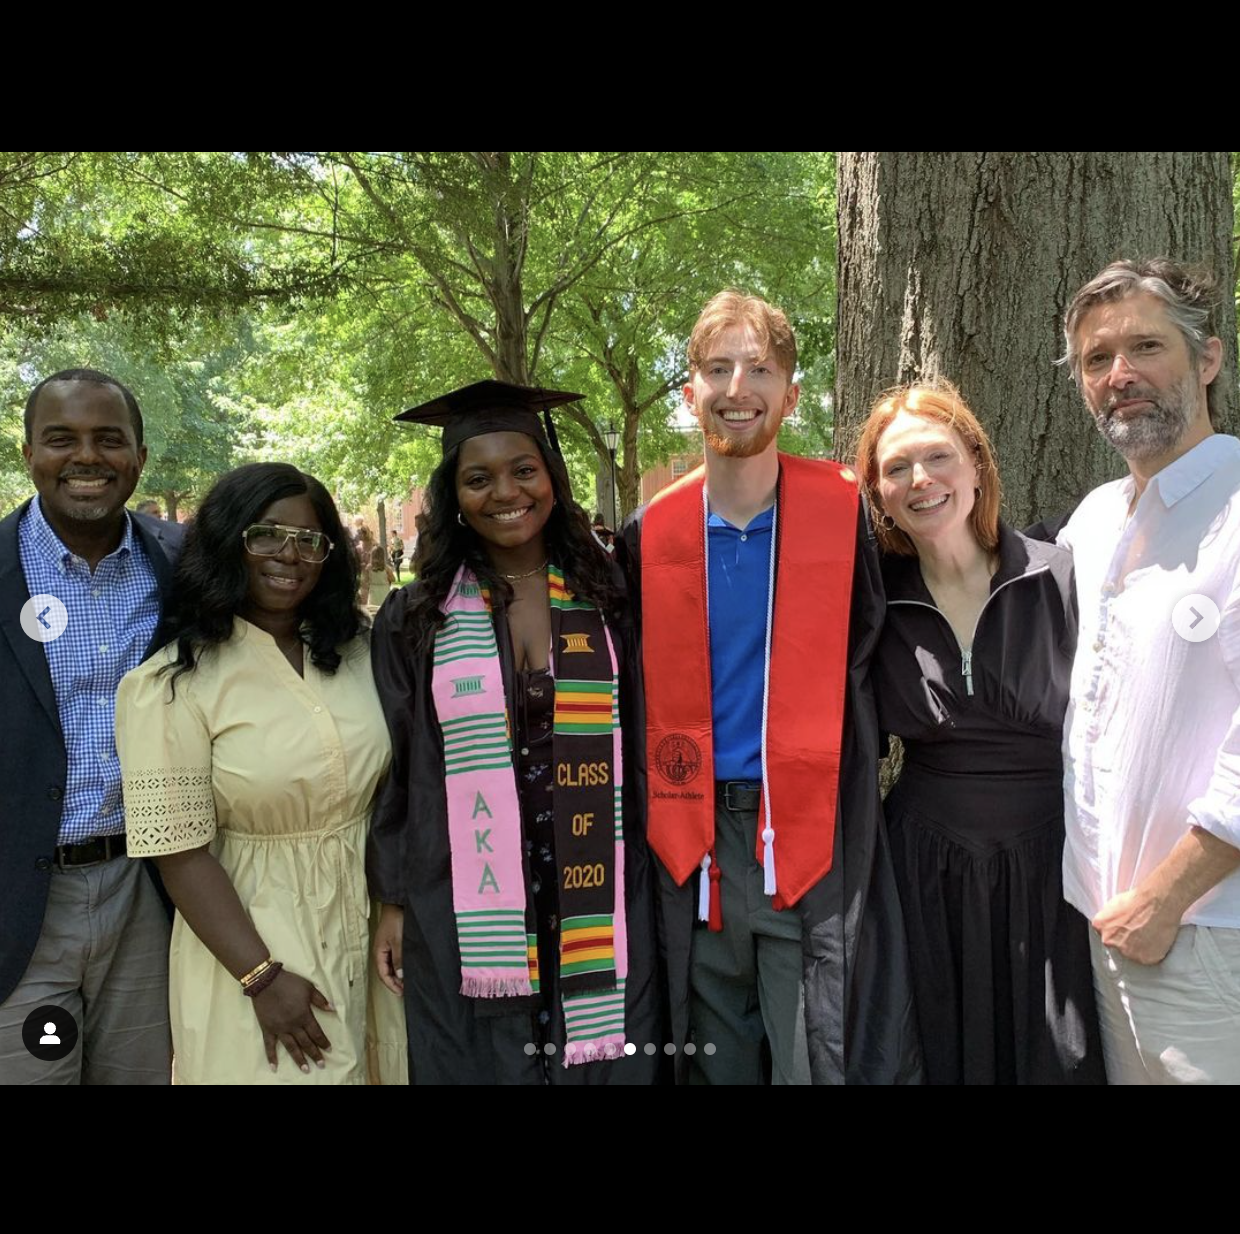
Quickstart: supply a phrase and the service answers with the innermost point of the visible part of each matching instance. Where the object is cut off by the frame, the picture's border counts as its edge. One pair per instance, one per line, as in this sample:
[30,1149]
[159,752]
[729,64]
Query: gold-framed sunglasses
[269,539]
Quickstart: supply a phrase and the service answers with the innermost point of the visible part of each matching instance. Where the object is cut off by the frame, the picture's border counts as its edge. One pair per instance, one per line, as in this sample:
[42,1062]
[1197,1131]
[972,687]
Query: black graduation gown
[454,1039]
[858,996]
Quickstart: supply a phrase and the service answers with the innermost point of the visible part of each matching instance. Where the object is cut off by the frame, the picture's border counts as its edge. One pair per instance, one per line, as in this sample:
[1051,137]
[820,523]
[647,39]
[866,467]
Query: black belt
[90,852]
[743,795]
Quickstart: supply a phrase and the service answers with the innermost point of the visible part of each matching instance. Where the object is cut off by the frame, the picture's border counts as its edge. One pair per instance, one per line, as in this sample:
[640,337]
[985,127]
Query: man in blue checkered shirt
[82,929]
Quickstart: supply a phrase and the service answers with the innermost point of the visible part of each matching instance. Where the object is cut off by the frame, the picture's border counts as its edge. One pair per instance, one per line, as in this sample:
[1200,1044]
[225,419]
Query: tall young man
[760,601]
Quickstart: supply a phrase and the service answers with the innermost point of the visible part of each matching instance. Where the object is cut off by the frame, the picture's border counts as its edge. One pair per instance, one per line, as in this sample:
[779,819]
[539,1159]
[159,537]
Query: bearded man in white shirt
[1152,734]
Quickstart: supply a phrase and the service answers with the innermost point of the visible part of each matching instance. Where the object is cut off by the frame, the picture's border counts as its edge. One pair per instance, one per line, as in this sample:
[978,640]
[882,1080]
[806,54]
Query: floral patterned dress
[533,719]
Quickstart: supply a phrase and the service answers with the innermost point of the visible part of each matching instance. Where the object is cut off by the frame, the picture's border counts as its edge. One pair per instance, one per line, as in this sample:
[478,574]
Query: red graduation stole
[806,674]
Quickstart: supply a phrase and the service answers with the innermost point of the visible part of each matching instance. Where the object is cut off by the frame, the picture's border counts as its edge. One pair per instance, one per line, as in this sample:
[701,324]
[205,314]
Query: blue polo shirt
[739,565]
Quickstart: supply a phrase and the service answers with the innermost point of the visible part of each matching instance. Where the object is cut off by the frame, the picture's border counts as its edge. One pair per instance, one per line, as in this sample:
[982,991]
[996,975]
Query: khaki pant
[102,955]
[1177,1022]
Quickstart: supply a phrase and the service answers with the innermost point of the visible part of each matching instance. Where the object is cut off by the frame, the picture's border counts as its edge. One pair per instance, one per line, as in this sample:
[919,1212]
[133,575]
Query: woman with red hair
[972,675]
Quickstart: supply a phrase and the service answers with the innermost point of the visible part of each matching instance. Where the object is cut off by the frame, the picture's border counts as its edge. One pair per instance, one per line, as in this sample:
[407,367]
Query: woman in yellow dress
[252,748]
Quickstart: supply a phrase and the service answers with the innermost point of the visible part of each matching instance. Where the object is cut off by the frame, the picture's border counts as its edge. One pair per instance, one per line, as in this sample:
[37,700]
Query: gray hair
[1188,292]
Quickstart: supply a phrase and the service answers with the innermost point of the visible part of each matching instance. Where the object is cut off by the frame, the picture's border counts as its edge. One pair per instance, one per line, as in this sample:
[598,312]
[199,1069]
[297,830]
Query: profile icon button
[44,618]
[1195,618]
[50,1033]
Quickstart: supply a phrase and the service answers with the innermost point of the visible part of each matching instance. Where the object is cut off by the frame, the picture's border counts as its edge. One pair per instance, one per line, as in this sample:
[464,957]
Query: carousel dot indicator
[690,1048]
[669,1048]
[709,1047]
[649,1047]
[630,1048]
[549,1048]
[531,1049]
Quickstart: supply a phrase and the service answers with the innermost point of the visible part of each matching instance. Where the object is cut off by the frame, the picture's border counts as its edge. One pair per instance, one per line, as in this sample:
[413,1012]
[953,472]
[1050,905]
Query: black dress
[1001,966]
[454,1039]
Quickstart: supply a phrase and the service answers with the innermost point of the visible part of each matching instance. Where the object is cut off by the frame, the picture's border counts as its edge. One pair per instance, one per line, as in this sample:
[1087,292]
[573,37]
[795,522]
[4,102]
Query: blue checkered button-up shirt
[112,618]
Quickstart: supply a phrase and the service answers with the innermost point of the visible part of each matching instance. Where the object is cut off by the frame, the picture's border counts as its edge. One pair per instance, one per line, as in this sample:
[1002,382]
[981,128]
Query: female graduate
[518,915]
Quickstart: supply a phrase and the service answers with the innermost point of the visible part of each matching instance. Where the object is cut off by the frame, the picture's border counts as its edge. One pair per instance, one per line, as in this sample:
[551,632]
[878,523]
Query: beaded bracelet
[263,980]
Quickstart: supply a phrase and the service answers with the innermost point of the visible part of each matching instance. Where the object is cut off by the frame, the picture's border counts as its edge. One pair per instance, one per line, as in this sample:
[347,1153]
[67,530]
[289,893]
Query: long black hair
[444,543]
[211,584]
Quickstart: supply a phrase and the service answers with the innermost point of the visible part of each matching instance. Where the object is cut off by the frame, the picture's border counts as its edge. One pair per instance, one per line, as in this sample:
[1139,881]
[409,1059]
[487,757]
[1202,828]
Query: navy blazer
[33,762]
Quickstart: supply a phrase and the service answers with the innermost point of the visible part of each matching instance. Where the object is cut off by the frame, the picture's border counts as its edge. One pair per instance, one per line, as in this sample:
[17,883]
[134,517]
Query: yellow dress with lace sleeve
[277,773]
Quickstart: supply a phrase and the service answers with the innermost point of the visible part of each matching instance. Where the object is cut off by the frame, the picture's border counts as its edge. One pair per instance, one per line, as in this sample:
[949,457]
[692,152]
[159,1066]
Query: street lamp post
[612,437]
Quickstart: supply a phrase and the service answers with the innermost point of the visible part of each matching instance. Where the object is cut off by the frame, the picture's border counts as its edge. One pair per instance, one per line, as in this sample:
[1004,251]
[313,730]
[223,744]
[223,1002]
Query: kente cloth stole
[495,920]
[805,678]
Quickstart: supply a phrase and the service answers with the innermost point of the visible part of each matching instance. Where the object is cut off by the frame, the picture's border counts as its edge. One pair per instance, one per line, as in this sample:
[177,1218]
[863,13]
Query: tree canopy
[285,304]
[362,281]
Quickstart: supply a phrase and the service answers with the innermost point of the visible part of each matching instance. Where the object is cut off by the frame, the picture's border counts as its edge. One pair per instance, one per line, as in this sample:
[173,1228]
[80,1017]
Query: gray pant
[745,982]
[103,956]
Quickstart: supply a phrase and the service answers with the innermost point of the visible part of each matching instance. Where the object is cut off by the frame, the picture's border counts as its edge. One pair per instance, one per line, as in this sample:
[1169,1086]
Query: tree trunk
[170,506]
[381,511]
[627,490]
[961,265]
[504,277]
[630,475]
[605,503]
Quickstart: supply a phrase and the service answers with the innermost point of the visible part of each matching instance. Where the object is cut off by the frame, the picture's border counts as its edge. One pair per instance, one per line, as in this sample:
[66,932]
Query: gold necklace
[516,578]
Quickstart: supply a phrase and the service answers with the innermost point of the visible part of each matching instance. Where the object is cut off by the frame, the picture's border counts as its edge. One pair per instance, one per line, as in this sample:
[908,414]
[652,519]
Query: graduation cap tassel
[552,437]
[715,920]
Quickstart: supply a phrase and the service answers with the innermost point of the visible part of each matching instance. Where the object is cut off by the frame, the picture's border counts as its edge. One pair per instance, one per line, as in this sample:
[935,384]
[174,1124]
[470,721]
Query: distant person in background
[363,546]
[382,576]
[602,533]
[151,508]
[397,552]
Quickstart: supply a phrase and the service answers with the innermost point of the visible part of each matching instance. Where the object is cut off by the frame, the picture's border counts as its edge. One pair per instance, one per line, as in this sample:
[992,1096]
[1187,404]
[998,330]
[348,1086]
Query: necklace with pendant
[516,578]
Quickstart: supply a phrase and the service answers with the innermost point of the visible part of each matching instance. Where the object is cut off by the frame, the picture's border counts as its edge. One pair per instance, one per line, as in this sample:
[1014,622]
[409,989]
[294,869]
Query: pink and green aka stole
[494,911]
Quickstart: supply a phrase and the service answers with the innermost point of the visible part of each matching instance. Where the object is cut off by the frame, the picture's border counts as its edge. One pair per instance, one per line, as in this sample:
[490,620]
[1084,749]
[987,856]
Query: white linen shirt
[1152,733]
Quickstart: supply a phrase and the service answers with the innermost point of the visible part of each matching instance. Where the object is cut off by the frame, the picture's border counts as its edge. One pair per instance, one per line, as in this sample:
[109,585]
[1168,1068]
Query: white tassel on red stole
[768,860]
[704,890]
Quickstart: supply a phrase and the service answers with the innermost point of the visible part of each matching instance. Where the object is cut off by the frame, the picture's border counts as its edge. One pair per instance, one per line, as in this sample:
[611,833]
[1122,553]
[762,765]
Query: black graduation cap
[491,407]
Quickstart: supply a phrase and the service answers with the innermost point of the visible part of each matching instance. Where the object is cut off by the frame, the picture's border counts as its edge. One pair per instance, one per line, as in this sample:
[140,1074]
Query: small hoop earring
[459,519]
[886,522]
[977,493]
